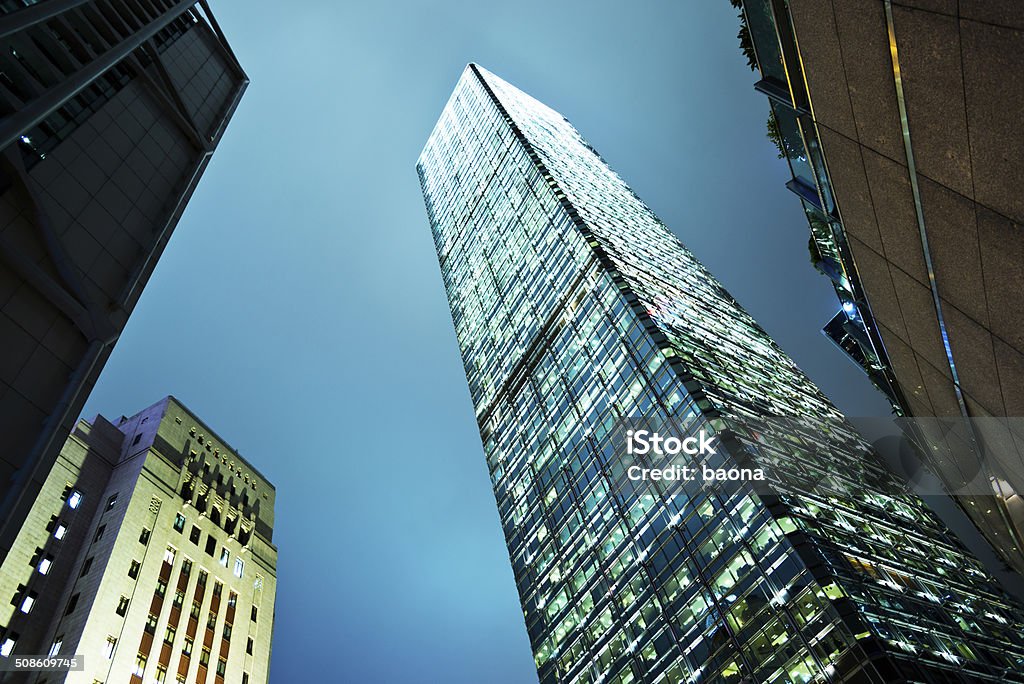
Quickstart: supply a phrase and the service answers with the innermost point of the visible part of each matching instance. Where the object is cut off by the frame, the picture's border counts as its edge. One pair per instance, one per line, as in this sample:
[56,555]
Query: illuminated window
[74,499]
[45,564]
[239,566]
[140,665]
[55,648]
[186,648]
[225,556]
[27,602]
[60,531]
[179,523]
[169,555]
[8,645]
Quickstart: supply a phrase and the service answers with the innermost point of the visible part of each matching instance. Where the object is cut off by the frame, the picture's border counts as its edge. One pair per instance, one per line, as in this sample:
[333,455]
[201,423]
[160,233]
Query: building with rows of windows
[149,554]
[577,310]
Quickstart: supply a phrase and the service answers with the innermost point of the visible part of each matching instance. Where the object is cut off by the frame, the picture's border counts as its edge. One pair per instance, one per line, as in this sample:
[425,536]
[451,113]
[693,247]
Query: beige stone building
[149,554]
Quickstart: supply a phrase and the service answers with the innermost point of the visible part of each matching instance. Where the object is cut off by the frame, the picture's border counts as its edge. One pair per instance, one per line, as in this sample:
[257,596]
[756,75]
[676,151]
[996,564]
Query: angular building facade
[148,553]
[901,124]
[110,113]
[576,309]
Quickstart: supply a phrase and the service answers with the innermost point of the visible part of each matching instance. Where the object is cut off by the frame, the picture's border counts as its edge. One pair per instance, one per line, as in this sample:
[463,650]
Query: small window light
[60,531]
[45,564]
[74,498]
[27,603]
[7,646]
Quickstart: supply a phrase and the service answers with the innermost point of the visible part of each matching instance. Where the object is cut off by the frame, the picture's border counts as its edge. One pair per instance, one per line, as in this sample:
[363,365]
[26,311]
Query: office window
[218,587]
[211,546]
[195,535]
[245,678]
[8,644]
[232,599]
[186,648]
[74,499]
[211,620]
[27,601]
[248,645]
[179,522]
[55,648]
[221,666]
[122,606]
[151,624]
[239,566]
[227,632]
[204,657]
[108,648]
[86,567]
[169,635]
[160,675]
[144,536]
[202,577]
[140,665]
[196,609]
[60,531]
[99,533]
[45,564]
[225,556]
[72,604]
[252,615]
[186,567]
[169,555]
[133,571]
[112,501]
[161,588]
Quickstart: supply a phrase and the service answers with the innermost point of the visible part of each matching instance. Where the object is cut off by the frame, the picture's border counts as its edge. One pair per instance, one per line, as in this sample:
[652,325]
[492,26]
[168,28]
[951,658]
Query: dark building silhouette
[110,113]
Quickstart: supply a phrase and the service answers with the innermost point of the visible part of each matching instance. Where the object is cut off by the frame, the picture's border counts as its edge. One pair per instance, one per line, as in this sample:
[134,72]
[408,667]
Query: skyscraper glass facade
[576,309]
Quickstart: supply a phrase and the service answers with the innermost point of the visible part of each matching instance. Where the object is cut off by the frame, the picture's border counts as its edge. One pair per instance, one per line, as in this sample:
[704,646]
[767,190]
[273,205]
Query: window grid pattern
[575,307]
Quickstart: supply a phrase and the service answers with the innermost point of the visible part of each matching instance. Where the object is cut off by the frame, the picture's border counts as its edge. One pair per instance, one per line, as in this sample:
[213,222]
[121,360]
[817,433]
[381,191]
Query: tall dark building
[901,124]
[577,313]
[110,113]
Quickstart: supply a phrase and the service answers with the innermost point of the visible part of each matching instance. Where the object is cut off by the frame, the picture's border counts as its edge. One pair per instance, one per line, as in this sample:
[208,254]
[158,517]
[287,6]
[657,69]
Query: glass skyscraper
[576,311]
